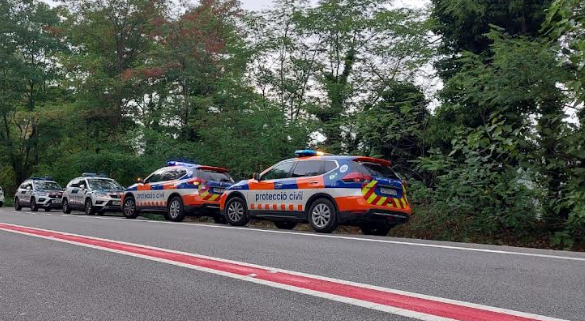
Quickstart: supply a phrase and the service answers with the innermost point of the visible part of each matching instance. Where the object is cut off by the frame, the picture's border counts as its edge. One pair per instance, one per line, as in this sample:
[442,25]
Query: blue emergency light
[94,175]
[308,152]
[184,164]
[42,178]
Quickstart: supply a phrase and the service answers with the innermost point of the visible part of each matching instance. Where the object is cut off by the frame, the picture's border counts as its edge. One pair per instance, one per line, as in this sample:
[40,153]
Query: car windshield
[378,170]
[47,186]
[214,176]
[104,185]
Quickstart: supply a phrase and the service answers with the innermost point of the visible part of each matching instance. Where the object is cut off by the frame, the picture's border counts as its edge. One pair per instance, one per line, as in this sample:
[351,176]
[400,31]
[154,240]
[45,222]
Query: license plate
[389,191]
[219,190]
[116,203]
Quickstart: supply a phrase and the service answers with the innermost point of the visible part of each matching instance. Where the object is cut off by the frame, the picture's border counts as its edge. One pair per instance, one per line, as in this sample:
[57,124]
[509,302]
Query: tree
[29,73]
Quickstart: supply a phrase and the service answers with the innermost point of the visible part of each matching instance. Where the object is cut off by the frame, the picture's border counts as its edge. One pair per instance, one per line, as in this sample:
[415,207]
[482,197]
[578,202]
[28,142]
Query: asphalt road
[41,279]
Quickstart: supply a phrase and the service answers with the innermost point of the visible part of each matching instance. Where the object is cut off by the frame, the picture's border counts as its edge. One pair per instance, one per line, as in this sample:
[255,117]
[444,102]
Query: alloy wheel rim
[174,209]
[129,207]
[235,211]
[321,215]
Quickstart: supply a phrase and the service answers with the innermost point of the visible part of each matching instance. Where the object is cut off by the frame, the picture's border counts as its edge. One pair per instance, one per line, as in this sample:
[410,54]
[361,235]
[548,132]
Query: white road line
[351,238]
[347,300]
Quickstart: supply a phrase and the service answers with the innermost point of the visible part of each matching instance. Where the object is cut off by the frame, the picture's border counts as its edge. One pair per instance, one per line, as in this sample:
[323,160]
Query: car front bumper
[49,202]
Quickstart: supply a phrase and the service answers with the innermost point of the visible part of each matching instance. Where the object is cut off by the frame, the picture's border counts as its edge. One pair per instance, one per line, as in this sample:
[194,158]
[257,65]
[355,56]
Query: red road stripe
[401,301]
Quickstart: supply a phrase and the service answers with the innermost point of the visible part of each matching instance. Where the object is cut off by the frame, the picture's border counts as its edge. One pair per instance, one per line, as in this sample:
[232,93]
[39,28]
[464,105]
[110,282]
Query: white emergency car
[38,192]
[92,194]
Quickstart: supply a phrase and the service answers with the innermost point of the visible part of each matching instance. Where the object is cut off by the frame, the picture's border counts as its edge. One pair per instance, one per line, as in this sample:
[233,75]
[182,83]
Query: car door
[308,175]
[270,194]
[78,193]
[151,193]
[29,191]
[22,193]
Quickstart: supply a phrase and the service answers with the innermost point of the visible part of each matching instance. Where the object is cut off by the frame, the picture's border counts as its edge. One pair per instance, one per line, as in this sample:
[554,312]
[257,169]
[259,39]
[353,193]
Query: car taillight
[357,177]
[194,181]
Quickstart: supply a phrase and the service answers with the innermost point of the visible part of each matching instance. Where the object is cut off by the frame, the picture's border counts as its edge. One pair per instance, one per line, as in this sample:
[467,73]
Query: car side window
[308,168]
[75,183]
[329,166]
[278,171]
[173,174]
[156,176]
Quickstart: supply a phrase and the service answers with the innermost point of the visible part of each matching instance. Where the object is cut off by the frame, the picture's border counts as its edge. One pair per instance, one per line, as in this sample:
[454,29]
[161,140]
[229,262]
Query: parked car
[92,194]
[177,190]
[323,190]
[38,192]
[1,196]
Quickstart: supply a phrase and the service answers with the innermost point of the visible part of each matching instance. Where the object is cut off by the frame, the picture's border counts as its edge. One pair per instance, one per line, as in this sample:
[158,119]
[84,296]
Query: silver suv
[38,192]
[92,194]
[1,197]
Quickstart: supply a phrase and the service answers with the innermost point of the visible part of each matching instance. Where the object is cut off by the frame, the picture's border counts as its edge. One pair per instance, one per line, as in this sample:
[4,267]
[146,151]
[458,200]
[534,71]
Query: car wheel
[175,209]
[129,208]
[1,204]
[236,212]
[33,205]
[379,230]
[323,216]
[66,208]
[17,206]
[219,219]
[89,207]
[285,225]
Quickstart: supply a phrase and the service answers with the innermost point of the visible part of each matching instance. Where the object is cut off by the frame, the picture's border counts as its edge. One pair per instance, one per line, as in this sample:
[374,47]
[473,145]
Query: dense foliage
[496,155]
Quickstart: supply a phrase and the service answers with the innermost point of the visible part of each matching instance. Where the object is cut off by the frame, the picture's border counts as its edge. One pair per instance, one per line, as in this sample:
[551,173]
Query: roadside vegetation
[477,103]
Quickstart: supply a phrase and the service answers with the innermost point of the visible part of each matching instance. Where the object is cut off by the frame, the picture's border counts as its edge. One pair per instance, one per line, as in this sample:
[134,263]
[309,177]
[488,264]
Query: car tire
[284,225]
[129,209]
[236,212]
[219,219]
[88,208]
[33,205]
[66,208]
[175,209]
[1,204]
[323,216]
[17,205]
[378,230]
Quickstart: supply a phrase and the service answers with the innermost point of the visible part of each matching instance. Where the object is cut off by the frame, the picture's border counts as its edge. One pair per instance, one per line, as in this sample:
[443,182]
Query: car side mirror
[139,180]
[256,176]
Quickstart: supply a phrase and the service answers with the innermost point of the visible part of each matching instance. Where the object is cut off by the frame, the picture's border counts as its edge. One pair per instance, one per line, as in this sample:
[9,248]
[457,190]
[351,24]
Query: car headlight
[98,194]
